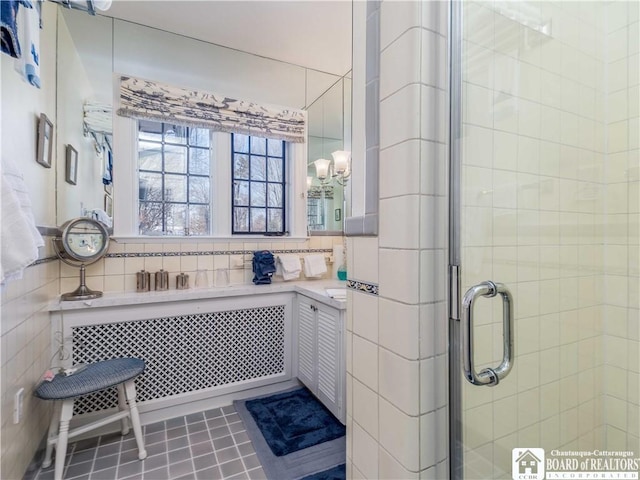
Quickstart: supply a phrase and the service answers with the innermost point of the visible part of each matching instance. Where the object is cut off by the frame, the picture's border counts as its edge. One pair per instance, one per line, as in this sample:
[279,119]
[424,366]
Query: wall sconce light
[309,182]
[342,165]
[322,168]
[340,170]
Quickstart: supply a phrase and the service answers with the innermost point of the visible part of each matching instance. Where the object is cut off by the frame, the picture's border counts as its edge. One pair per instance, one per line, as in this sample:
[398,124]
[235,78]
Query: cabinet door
[330,359]
[306,343]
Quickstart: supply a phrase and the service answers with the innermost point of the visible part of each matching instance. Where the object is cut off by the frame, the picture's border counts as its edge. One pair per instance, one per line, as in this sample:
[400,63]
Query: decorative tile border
[211,252]
[370,288]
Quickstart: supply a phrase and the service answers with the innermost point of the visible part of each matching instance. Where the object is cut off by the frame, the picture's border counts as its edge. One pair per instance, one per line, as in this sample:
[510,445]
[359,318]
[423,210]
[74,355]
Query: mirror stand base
[81,293]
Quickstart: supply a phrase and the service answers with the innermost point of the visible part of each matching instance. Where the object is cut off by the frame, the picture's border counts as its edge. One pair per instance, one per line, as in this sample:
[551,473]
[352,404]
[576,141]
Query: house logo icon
[527,463]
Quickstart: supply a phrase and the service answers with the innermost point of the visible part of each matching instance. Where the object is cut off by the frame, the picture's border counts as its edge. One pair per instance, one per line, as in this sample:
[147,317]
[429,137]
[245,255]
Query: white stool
[119,372]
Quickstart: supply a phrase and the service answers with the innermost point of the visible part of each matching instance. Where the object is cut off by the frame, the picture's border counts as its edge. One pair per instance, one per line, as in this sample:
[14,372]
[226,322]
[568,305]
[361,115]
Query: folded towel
[28,65]
[289,267]
[19,237]
[314,266]
[263,267]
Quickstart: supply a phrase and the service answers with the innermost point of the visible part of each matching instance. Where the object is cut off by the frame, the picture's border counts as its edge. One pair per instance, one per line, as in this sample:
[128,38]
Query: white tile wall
[26,354]
[621,312]
[399,373]
[558,188]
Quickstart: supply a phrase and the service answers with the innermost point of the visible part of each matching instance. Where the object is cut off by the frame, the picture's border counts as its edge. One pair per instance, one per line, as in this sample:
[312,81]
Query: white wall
[24,325]
[22,105]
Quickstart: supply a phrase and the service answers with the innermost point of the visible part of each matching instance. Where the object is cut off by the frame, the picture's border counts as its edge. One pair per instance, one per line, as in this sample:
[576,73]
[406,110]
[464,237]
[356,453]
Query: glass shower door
[546,231]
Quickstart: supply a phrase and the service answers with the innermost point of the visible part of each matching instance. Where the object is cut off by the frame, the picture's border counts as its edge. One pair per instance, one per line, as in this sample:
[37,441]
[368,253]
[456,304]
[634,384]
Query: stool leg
[122,405]
[53,431]
[63,437]
[130,390]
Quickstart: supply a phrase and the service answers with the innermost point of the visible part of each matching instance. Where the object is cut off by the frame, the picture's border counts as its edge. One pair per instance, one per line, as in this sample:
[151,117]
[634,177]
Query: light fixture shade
[322,168]
[341,161]
[102,5]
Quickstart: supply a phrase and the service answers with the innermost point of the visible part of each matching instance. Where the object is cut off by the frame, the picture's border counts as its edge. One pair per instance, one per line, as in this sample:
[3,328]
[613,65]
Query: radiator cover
[186,353]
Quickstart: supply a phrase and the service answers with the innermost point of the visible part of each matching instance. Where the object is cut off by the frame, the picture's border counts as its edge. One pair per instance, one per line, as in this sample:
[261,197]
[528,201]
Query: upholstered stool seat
[119,372]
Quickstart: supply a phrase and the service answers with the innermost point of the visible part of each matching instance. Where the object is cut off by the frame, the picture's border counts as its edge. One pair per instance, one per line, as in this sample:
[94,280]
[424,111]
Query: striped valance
[148,100]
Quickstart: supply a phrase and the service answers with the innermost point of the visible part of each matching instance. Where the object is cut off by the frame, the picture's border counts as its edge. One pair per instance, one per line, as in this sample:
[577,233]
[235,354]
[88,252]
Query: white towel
[19,237]
[314,266]
[101,216]
[288,266]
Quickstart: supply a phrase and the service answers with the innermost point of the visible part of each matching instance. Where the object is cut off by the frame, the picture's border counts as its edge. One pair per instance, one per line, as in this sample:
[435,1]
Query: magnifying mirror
[82,241]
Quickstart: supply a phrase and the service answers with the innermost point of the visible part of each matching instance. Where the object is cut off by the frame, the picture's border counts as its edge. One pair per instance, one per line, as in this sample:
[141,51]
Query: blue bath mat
[336,473]
[294,420]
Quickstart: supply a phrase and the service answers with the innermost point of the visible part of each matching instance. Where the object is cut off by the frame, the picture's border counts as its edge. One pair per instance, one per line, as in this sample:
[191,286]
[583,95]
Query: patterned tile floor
[209,445]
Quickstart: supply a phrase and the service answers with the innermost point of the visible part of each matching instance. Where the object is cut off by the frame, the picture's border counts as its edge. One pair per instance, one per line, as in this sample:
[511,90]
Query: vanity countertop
[315,289]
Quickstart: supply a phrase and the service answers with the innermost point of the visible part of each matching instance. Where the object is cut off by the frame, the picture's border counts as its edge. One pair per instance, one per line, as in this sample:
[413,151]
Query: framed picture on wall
[72,165]
[45,141]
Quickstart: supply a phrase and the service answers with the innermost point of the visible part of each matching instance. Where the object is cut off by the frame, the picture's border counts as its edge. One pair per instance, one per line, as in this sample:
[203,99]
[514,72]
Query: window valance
[147,100]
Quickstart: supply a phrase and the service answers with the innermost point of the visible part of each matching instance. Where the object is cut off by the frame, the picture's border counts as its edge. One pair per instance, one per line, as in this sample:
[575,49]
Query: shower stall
[544,231]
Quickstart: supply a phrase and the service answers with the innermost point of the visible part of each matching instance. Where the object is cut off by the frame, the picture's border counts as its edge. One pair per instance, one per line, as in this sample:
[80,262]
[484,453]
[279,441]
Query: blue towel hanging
[9,27]
[107,177]
[264,266]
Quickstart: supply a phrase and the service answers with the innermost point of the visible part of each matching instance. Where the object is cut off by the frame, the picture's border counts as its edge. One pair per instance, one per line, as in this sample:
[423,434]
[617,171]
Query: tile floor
[209,445]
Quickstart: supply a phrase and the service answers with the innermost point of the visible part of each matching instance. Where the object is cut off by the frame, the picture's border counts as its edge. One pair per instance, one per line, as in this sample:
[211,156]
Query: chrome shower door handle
[488,376]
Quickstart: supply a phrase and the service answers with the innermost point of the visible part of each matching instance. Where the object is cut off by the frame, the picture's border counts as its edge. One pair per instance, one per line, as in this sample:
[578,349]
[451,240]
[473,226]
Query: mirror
[93,50]
[329,131]
[83,76]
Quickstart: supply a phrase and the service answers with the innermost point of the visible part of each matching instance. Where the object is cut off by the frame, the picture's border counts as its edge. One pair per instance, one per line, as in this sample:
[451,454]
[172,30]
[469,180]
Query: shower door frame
[456,453]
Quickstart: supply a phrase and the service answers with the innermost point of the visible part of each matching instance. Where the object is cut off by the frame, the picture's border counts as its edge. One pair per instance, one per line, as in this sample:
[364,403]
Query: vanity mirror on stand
[82,241]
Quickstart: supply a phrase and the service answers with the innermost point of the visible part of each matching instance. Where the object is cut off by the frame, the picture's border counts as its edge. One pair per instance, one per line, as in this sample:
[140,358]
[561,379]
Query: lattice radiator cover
[186,353]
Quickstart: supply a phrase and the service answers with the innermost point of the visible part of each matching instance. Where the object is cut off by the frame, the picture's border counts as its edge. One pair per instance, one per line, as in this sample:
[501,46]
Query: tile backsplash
[116,272]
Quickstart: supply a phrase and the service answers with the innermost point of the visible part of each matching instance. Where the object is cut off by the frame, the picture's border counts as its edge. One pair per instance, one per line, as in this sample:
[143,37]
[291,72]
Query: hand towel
[264,266]
[28,65]
[314,266]
[338,260]
[289,266]
[107,176]
[19,237]
[101,216]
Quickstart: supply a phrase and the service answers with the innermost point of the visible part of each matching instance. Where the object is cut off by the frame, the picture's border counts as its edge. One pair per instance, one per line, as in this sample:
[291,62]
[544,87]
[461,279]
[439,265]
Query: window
[258,177]
[174,182]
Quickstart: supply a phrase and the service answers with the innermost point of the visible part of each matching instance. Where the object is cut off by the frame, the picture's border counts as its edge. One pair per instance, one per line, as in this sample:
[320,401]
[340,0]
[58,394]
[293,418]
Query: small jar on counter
[162,280]
[143,281]
[182,281]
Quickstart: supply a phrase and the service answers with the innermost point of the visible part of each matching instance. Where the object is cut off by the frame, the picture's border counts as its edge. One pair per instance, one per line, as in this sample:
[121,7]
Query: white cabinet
[321,364]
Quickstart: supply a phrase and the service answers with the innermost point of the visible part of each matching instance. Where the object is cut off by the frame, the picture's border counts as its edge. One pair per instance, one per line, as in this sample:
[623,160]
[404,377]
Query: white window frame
[125,187]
